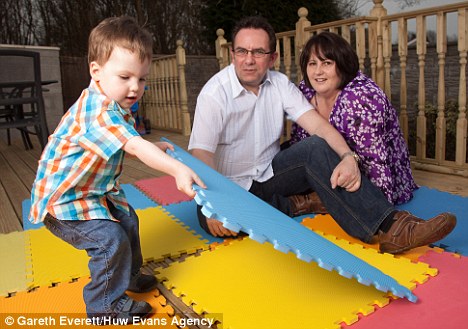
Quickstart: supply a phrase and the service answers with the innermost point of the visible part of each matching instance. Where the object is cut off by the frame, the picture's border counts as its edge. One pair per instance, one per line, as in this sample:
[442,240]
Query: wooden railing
[165,100]
[387,61]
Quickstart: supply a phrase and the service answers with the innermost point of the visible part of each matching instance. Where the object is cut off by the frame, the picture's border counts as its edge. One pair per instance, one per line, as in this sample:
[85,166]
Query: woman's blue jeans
[114,248]
[308,166]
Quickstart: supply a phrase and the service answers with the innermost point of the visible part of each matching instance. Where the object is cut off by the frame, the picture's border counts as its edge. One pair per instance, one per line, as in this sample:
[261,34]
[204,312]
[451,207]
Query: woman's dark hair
[257,23]
[328,45]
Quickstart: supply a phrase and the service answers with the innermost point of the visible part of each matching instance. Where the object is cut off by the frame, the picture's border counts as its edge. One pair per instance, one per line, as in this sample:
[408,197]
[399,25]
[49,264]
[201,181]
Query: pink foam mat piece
[162,189]
[442,303]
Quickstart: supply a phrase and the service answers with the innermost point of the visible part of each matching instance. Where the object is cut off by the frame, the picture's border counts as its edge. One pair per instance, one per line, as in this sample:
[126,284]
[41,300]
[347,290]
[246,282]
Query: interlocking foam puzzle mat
[265,223]
[443,301]
[246,284]
[186,212]
[161,236]
[65,299]
[162,189]
[13,263]
[258,287]
[136,198]
[428,202]
[53,260]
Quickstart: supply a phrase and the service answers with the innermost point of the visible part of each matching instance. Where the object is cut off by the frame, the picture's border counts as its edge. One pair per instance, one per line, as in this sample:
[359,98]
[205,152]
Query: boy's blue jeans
[114,248]
[307,166]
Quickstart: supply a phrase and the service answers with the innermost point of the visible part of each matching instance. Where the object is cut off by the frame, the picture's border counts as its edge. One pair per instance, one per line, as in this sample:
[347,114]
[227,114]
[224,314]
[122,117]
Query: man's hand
[217,228]
[164,146]
[346,175]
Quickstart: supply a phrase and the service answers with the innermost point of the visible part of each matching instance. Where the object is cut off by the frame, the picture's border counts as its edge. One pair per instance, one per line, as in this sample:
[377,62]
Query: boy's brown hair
[123,32]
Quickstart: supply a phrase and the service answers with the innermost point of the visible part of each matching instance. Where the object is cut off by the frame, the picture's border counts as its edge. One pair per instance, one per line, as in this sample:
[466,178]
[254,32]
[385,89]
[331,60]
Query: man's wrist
[351,153]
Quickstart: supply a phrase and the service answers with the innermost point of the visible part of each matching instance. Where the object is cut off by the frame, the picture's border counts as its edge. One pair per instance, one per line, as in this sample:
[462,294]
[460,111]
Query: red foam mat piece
[162,189]
[442,303]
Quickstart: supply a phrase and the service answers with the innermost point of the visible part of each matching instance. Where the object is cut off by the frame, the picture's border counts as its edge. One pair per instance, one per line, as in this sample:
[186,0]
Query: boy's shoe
[408,231]
[143,283]
[133,311]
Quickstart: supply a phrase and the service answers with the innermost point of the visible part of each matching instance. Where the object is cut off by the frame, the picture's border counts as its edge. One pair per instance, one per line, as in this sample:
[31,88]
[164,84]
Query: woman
[359,110]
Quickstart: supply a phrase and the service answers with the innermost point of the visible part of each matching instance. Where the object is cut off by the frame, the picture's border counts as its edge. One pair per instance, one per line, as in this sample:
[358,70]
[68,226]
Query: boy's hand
[164,146]
[185,178]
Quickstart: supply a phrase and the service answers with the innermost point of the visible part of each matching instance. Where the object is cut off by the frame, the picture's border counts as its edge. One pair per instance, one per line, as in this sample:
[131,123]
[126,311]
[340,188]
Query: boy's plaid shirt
[81,164]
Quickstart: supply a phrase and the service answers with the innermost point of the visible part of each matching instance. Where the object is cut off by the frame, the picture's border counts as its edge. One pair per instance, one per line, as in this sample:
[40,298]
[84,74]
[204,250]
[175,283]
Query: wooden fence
[165,100]
[385,59]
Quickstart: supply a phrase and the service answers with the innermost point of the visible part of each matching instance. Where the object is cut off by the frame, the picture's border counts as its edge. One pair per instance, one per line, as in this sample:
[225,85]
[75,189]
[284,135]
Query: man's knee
[315,142]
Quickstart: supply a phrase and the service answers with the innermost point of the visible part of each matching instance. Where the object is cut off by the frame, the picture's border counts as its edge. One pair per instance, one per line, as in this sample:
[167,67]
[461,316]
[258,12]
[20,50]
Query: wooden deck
[18,169]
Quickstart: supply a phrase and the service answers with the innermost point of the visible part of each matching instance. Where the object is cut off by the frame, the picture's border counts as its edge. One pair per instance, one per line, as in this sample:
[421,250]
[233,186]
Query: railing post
[301,38]
[379,11]
[180,58]
[460,157]
[221,51]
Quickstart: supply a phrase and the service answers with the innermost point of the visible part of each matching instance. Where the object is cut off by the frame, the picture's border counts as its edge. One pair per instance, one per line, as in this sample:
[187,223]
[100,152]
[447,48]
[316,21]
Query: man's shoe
[409,231]
[306,204]
[143,283]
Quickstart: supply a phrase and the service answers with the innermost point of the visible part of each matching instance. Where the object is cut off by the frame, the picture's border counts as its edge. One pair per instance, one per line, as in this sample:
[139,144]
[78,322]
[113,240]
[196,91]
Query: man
[237,128]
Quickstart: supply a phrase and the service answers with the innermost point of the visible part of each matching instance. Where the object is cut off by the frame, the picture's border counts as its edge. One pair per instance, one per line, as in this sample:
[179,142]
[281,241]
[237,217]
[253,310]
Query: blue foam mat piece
[428,202]
[240,210]
[135,197]
[27,225]
[186,212]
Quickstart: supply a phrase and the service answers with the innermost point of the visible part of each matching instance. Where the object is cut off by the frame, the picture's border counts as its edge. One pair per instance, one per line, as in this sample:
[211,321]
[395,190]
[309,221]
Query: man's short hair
[258,23]
[123,32]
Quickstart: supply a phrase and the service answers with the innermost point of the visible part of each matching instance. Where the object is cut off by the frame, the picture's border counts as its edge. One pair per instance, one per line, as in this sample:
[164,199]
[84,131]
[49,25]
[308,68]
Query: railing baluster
[387,57]
[441,121]
[287,56]
[421,120]
[361,44]
[460,157]
[403,53]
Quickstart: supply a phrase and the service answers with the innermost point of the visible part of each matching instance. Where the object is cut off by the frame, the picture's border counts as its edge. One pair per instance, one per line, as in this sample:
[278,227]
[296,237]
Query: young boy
[77,193]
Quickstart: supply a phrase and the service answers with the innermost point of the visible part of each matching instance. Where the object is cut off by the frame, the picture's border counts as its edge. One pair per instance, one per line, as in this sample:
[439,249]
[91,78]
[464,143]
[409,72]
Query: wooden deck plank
[13,184]
[448,183]
[9,221]
[21,168]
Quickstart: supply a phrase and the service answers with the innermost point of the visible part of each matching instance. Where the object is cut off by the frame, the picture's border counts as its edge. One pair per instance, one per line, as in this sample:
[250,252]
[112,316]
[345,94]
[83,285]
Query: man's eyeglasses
[257,53]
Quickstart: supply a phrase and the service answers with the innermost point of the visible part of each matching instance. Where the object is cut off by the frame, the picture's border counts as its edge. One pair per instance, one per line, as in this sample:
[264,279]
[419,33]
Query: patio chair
[21,100]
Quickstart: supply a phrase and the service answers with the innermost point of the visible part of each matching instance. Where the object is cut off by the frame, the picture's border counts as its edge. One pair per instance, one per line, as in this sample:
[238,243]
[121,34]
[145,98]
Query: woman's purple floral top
[369,123]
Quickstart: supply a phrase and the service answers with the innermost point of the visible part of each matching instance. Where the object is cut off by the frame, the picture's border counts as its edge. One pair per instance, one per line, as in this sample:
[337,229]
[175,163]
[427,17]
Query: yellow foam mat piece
[65,301]
[54,260]
[13,276]
[327,225]
[161,236]
[407,273]
[254,286]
